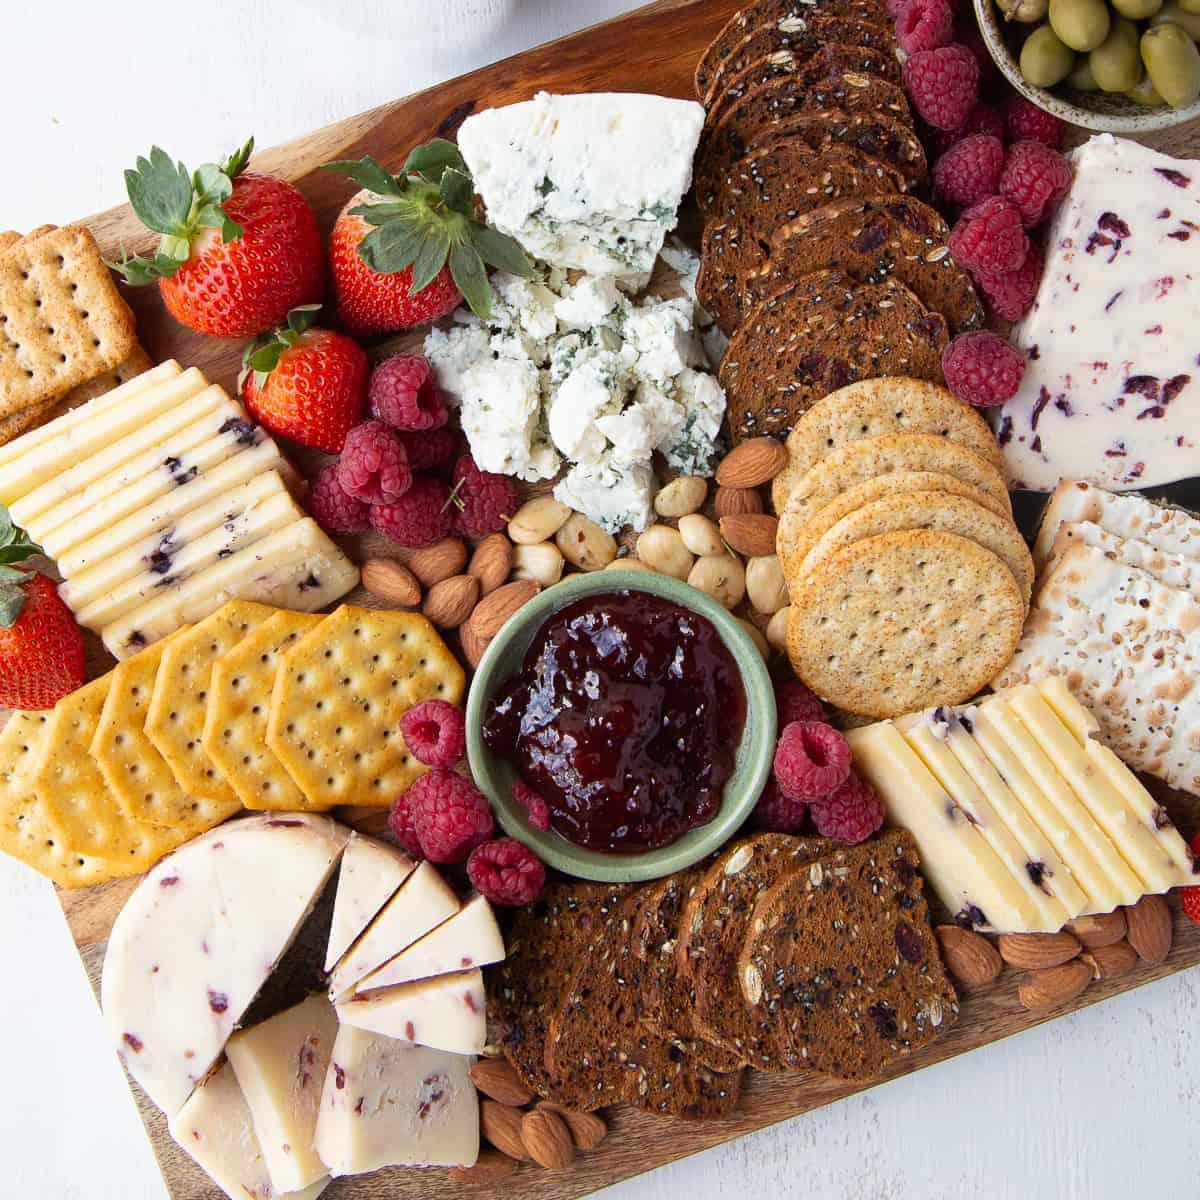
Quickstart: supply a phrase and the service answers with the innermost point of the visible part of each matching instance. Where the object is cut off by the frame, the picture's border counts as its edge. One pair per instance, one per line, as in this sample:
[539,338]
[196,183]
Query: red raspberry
[485,501]
[1026,122]
[794,701]
[374,464]
[334,508]
[1035,179]
[895,8]
[436,732]
[533,803]
[850,814]
[506,872]
[1012,295]
[983,118]
[422,516]
[1189,897]
[943,84]
[400,821]
[990,238]
[404,393]
[982,369]
[432,449]
[970,170]
[777,811]
[811,759]
[924,25]
[450,815]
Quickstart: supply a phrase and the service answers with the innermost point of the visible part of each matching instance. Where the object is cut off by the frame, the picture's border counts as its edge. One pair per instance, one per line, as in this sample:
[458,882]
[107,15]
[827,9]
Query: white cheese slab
[1170,569]
[370,875]
[447,1012]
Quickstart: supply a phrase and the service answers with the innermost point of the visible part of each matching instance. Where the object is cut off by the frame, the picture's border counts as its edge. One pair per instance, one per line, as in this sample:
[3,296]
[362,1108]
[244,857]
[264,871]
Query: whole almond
[731,501]
[752,463]
[969,956]
[449,603]
[494,609]
[391,581]
[1150,928]
[501,1125]
[491,562]
[1035,951]
[490,1167]
[432,564]
[750,534]
[587,1129]
[497,1079]
[1108,962]
[473,645]
[1055,985]
[547,1139]
[1100,930]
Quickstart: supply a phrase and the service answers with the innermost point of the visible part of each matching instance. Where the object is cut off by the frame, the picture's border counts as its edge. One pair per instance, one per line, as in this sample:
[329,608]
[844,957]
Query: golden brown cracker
[235,731]
[134,365]
[8,239]
[338,698]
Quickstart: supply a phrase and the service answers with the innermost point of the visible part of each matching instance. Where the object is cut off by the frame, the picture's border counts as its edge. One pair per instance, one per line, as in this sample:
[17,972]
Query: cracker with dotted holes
[179,705]
[903,621]
[235,731]
[338,698]
[79,808]
[138,775]
[64,323]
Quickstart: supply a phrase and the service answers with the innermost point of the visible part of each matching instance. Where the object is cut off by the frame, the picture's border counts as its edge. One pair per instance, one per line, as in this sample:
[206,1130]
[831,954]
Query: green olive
[1173,14]
[1190,6]
[1173,64]
[1117,62]
[1045,61]
[1080,24]
[1145,94]
[1082,79]
[1027,12]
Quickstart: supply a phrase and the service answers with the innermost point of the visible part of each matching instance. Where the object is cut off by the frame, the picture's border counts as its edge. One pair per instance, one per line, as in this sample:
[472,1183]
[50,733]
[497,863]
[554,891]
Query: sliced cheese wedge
[197,939]
[370,875]
[447,1012]
[423,902]
[470,938]
[1172,569]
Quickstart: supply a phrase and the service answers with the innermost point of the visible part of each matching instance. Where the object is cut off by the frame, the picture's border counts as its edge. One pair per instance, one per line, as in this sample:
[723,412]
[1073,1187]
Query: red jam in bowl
[626,717]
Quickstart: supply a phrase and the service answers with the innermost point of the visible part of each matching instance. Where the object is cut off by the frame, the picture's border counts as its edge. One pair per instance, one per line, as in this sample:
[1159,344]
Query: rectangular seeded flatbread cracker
[140,778]
[235,731]
[179,705]
[338,698]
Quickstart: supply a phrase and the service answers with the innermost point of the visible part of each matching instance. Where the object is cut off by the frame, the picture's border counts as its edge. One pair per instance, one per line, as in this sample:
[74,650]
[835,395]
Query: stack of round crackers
[909,580]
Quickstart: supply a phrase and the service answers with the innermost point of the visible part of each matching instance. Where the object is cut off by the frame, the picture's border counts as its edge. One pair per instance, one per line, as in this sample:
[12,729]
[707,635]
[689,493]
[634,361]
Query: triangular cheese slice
[370,876]
[445,1013]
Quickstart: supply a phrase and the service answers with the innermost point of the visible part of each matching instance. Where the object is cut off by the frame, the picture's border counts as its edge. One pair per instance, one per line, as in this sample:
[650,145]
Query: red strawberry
[238,251]
[307,384]
[1189,897]
[41,647]
[407,249]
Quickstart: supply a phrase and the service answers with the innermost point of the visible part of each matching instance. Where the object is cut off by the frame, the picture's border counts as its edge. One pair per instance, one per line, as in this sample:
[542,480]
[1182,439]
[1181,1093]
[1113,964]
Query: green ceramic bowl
[503,659]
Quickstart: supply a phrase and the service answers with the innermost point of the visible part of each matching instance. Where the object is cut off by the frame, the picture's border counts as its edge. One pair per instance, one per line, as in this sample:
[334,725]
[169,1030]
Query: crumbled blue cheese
[501,403]
[692,448]
[594,387]
[615,495]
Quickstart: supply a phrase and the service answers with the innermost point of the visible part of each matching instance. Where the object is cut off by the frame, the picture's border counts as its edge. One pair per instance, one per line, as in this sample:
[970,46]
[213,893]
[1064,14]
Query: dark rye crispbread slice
[598,1054]
[821,333]
[871,240]
[840,963]
[712,927]
[724,263]
[753,15]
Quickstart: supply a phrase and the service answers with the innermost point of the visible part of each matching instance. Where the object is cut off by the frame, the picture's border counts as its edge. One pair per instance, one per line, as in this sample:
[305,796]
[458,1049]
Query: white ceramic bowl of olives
[1124,66]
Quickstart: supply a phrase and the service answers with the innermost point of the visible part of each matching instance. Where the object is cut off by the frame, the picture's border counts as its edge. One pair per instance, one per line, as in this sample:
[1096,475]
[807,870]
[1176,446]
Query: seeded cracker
[338,698]
[235,730]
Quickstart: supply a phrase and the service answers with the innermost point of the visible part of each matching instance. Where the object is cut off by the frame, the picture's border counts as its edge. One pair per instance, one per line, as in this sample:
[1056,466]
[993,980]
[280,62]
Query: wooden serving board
[654,49]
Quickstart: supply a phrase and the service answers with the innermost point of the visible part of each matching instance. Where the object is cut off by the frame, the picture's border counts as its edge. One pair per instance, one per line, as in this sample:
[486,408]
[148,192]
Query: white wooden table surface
[1099,1106]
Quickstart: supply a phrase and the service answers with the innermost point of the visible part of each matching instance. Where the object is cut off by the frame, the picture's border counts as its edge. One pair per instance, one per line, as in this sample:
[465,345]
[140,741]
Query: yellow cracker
[133,366]
[178,707]
[338,698]
[65,322]
[8,239]
[78,806]
[139,776]
[235,731]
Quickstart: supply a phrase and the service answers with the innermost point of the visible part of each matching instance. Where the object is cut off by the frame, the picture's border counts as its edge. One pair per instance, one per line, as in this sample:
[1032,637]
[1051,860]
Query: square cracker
[235,731]
[65,322]
[139,776]
[79,808]
[338,698]
[179,705]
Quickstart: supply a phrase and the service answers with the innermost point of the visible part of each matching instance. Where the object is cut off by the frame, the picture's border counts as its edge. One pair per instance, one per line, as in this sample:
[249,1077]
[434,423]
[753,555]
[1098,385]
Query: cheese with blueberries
[1111,389]
[590,182]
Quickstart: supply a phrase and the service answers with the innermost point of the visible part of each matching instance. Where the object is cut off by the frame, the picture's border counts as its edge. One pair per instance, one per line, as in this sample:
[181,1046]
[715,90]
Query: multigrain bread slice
[871,240]
[823,333]
[839,963]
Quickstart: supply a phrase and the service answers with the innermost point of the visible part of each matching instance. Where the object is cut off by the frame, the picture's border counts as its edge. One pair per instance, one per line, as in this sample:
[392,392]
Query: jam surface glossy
[626,717]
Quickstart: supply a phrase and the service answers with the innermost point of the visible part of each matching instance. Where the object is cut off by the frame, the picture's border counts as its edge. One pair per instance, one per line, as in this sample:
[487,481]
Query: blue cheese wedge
[592,181]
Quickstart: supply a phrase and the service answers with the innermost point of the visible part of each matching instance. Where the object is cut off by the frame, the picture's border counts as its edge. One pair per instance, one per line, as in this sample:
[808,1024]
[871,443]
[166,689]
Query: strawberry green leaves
[15,546]
[262,354]
[424,218]
[12,596]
